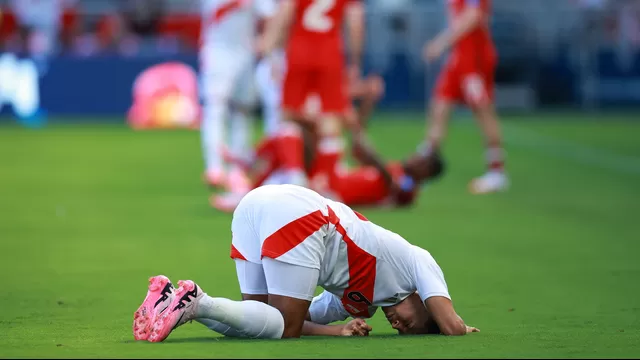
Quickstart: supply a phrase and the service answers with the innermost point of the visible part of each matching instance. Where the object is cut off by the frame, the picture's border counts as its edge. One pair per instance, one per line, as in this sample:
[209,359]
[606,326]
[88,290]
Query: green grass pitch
[550,268]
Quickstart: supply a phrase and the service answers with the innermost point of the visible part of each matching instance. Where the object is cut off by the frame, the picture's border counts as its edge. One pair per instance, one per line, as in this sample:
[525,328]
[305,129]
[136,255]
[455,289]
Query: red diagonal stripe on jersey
[358,295]
[235,254]
[225,9]
[292,234]
[360,216]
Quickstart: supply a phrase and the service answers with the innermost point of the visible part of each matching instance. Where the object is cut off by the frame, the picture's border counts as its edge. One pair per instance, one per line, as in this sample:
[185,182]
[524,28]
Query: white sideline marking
[586,155]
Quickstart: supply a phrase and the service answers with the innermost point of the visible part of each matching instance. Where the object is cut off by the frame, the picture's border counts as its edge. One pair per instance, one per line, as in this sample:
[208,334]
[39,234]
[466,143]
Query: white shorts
[276,278]
[227,76]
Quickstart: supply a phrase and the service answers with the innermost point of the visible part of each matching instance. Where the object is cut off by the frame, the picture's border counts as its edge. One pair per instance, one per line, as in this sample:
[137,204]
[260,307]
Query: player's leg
[291,289]
[291,145]
[367,92]
[478,91]
[250,318]
[270,90]
[445,95]
[217,83]
[336,110]
[239,318]
[221,316]
[243,100]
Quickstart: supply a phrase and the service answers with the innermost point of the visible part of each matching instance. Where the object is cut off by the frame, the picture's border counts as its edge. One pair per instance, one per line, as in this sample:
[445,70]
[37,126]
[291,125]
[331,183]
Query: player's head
[411,317]
[423,166]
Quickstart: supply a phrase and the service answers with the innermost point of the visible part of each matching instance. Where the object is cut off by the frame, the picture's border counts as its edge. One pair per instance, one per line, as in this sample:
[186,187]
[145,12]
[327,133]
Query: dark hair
[437,165]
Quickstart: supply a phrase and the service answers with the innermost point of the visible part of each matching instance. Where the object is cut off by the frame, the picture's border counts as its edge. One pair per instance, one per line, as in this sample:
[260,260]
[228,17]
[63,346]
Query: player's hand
[471,329]
[433,50]
[356,327]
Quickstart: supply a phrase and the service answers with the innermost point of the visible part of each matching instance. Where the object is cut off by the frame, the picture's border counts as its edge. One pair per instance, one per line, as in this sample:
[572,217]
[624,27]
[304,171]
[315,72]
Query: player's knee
[329,126]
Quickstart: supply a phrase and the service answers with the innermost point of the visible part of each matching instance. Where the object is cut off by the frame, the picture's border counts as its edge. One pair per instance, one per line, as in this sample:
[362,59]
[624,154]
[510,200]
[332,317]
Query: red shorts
[328,84]
[471,85]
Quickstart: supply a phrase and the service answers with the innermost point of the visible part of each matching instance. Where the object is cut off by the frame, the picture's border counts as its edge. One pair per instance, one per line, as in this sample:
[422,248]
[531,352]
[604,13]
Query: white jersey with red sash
[361,264]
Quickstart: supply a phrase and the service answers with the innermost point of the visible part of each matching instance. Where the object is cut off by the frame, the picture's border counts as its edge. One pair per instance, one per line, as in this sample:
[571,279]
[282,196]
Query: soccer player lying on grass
[373,183]
[286,241]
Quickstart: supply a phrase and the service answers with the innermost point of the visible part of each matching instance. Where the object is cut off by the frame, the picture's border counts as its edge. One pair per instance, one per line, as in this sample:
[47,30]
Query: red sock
[328,156]
[291,152]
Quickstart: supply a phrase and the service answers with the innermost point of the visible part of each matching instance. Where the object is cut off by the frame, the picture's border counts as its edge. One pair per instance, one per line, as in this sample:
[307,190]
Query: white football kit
[288,239]
[227,54]
[227,63]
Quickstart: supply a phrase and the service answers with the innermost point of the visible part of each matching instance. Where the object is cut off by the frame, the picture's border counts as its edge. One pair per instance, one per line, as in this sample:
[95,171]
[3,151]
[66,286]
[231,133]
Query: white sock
[220,328]
[212,132]
[240,131]
[249,318]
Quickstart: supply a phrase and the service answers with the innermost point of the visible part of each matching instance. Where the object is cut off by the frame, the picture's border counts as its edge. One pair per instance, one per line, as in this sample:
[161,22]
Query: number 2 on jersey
[315,17]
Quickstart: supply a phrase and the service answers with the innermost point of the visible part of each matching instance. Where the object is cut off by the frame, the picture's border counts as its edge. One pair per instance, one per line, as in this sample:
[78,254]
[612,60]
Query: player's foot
[226,202]
[181,310]
[160,294]
[237,181]
[231,158]
[492,181]
[215,178]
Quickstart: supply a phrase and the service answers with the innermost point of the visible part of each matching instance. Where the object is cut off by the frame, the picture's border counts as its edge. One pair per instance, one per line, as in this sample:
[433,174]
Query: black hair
[437,166]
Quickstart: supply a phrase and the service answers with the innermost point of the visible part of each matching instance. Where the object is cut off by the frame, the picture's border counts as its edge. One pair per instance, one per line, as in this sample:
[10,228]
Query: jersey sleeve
[428,275]
[327,308]
[266,8]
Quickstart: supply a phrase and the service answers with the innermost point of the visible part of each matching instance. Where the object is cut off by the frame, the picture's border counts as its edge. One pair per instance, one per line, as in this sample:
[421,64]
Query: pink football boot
[181,310]
[159,296]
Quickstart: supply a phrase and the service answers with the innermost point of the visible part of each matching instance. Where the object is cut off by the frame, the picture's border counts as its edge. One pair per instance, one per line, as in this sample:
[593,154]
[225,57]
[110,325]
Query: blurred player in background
[269,76]
[373,182]
[468,77]
[227,58]
[315,64]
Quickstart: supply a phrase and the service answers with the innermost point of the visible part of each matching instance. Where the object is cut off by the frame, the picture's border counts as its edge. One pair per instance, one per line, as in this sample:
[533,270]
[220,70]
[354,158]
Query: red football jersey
[316,34]
[365,186]
[477,42]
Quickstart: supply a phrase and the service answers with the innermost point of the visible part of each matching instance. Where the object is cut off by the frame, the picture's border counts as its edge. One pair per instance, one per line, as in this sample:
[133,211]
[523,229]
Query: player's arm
[277,27]
[354,18]
[325,309]
[435,294]
[368,91]
[471,17]
[365,153]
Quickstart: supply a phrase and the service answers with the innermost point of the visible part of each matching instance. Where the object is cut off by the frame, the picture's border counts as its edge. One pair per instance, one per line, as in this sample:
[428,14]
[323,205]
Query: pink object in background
[165,96]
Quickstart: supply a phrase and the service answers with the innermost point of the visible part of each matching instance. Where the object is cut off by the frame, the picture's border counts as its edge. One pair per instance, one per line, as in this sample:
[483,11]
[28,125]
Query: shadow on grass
[206,339]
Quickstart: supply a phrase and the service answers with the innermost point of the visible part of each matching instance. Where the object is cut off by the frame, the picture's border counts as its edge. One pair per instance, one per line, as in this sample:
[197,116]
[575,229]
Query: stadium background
[547,269]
